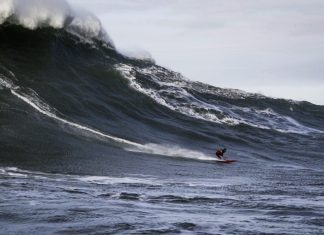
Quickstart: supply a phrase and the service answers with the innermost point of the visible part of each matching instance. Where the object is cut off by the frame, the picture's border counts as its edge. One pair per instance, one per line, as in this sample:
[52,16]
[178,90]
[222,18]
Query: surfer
[220,153]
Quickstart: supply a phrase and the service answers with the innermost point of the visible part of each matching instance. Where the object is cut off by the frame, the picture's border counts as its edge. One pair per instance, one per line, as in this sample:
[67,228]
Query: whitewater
[96,140]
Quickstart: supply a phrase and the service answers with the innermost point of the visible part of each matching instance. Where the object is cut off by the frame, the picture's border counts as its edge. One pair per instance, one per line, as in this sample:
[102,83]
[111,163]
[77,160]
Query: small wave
[118,180]
[183,200]
[186,226]
[165,198]
[129,196]
[100,180]
[146,181]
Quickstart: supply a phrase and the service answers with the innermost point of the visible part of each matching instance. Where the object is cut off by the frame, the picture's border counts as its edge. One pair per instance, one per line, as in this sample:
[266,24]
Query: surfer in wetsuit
[220,153]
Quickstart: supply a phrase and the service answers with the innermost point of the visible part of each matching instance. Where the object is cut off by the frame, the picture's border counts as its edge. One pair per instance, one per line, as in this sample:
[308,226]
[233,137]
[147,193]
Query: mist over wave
[33,14]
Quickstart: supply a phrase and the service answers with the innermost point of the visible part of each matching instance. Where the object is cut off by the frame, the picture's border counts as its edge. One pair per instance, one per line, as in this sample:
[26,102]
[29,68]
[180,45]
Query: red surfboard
[226,161]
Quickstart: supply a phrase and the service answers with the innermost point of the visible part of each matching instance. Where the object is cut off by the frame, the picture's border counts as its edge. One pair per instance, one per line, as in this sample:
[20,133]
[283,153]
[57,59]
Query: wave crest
[58,14]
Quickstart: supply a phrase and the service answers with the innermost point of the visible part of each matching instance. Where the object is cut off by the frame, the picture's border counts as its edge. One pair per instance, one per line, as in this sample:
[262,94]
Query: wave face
[75,112]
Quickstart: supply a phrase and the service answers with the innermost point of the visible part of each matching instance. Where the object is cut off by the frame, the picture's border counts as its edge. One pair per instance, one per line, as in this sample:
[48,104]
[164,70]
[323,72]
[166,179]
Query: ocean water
[95,142]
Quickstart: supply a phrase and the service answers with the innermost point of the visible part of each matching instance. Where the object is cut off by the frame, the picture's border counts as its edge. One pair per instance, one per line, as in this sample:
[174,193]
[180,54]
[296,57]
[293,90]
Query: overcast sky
[275,47]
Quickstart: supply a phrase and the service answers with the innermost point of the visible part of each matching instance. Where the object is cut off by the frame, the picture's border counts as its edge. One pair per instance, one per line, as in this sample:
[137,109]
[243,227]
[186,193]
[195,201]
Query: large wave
[93,91]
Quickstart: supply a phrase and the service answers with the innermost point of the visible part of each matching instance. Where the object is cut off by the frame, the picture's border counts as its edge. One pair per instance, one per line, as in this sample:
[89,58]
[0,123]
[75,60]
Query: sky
[273,47]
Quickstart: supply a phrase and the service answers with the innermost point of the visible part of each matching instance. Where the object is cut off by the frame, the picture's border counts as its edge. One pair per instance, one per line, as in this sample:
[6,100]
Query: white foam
[20,173]
[35,13]
[13,172]
[136,53]
[172,94]
[58,14]
[4,82]
[118,180]
[190,107]
[172,151]
[86,25]
[6,9]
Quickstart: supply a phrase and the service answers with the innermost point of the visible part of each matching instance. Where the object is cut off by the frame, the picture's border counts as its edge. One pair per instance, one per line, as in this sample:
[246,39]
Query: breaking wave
[93,91]
[58,14]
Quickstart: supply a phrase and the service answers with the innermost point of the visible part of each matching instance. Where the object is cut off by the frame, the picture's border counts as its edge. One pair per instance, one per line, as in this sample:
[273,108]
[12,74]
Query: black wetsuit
[219,153]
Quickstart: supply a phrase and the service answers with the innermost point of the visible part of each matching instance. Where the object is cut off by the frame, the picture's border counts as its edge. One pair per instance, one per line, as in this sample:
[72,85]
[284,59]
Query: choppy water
[221,203]
[93,142]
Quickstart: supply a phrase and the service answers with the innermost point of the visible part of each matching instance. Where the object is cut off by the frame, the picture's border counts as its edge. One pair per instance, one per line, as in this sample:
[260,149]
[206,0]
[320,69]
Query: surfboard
[226,161]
